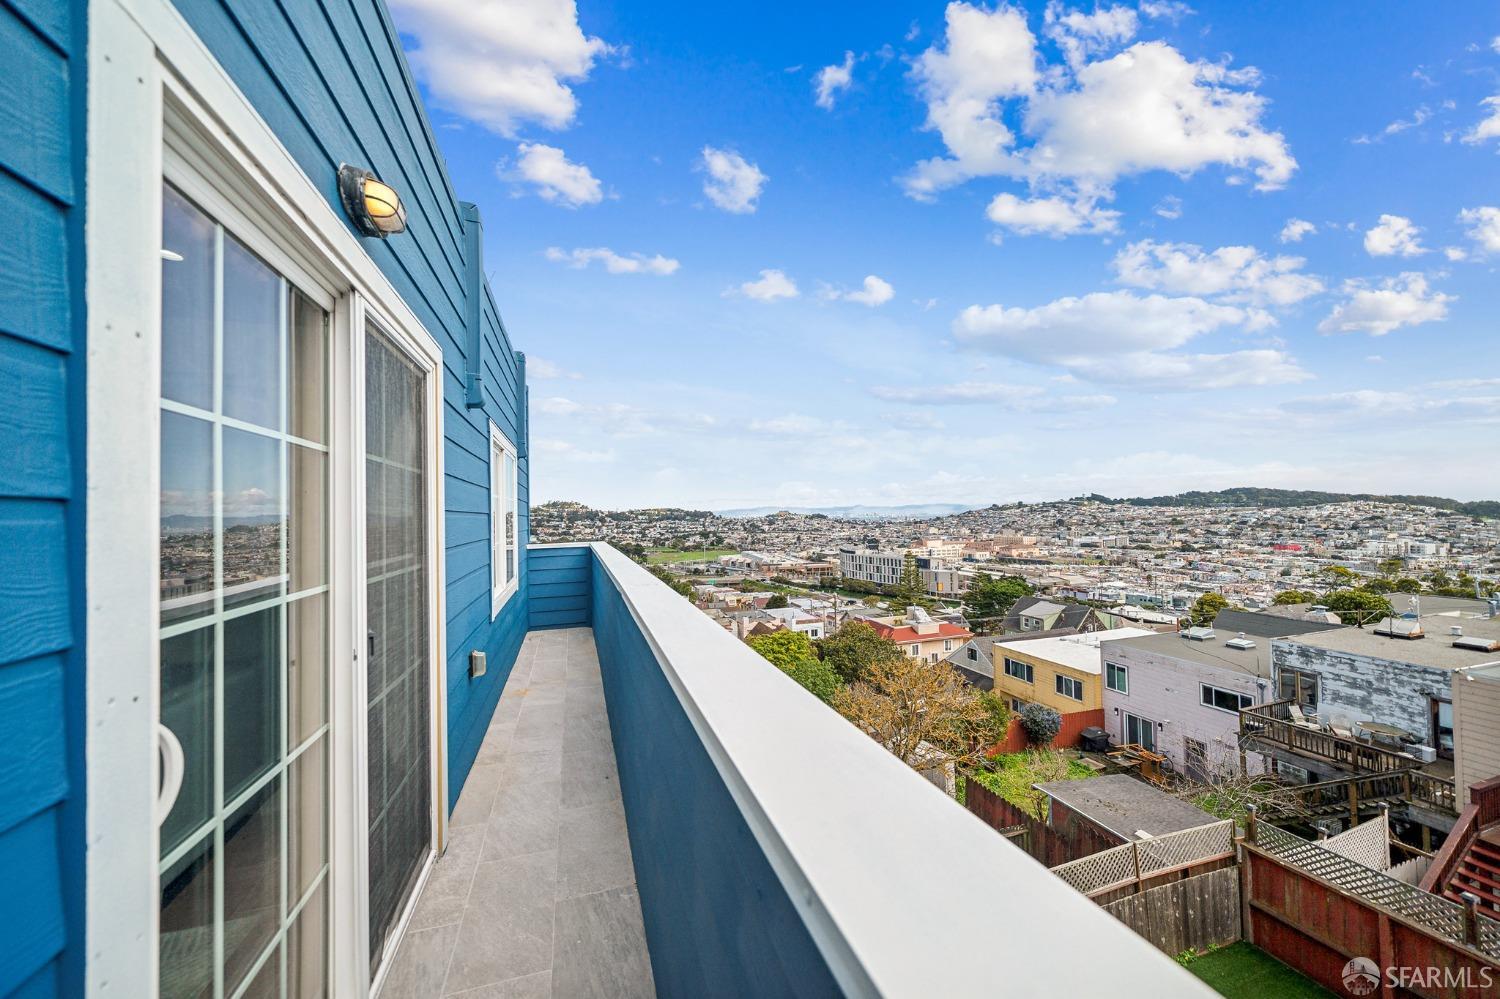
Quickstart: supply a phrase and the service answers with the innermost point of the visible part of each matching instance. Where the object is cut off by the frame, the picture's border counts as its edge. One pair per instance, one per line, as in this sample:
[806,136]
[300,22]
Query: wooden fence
[1315,910]
[1194,914]
[1074,838]
[1073,724]
[1140,861]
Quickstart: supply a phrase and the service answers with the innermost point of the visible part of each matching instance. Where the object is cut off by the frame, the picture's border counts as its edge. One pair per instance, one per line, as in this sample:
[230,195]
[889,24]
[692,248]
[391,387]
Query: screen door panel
[400,790]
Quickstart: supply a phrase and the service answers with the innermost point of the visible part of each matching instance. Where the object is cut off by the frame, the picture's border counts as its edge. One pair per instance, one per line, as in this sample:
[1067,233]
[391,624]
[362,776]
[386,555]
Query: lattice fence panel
[1433,911]
[1100,871]
[1185,847]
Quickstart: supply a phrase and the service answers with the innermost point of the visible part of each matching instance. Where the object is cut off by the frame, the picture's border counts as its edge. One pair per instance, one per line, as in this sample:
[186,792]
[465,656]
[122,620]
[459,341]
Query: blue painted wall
[560,585]
[718,920]
[330,78]
[41,495]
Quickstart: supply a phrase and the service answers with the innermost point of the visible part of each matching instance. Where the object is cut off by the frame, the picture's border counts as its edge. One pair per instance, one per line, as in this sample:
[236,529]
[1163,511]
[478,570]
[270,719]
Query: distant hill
[1256,496]
[912,511]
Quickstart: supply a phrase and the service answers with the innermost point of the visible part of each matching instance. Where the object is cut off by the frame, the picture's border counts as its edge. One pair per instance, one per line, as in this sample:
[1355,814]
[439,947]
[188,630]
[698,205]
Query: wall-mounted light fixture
[373,207]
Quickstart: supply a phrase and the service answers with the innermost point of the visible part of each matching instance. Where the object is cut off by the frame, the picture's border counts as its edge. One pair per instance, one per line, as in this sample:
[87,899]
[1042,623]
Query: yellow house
[1061,672]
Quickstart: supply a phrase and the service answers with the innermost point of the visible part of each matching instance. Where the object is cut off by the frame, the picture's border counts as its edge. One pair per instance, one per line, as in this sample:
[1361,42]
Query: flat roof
[1435,649]
[1080,652]
[1210,652]
[1125,805]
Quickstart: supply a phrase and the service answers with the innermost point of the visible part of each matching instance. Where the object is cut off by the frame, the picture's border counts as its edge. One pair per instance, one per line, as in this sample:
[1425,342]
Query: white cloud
[554,176]
[1169,207]
[1030,397]
[1295,229]
[1394,235]
[542,369]
[1483,226]
[830,81]
[773,284]
[1488,127]
[500,64]
[874,291]
[1400,301]
[1495,44]
[1418,117]
[986,56]
[1051,216]
[572,452]
[614,263]
[559,406]
[1123,337]
[1455,253]
[733,183]
[1087,123]
[1235,273]
[1079,35]
[1171,10]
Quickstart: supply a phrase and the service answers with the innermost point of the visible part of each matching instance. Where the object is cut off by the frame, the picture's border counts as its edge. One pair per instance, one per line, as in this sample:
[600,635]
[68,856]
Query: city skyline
[1135,249]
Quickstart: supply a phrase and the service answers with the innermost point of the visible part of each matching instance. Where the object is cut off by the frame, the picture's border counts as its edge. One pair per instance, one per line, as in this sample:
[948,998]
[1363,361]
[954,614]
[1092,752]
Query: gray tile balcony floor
[536,894]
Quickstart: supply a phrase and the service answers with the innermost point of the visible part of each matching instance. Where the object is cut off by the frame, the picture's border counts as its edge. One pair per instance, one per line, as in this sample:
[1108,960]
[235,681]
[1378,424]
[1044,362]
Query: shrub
[1040,723]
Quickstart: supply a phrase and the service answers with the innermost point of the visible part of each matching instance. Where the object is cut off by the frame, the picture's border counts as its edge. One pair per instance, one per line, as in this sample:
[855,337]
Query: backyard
[662,556]
[1244,971]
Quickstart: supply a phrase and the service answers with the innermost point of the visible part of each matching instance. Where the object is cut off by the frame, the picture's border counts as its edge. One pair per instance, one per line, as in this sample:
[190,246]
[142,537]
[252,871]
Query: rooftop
[1125,806]
[1212,652]
[1268,625]
[1078,652]
[1434,649]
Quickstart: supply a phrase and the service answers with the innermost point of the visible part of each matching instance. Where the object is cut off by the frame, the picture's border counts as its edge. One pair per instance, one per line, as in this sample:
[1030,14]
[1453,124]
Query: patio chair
[1301,720]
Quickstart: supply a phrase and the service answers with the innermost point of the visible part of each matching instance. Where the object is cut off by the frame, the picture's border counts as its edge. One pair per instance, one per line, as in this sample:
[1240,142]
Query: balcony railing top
[1273,723]
[892,877]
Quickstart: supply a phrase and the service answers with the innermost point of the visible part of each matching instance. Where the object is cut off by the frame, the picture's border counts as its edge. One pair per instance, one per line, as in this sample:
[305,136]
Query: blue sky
[1001,252]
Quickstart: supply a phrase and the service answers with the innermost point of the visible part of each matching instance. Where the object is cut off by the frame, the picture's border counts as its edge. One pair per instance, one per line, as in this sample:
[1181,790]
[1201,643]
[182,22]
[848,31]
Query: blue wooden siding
[330,78]
[41,509]
[560,585]
[718,919]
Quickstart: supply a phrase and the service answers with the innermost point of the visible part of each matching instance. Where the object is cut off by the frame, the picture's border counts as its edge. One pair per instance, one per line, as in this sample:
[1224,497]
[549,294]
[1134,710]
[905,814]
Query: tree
[911,707]
[1286,597]
[854,649]
[1338,575]
[676,582]
[909,590]
[1357,607]
[777,601]
[1207,607]
[1390,566]
[1040,723]
[792,653]
[1408,585]
[989,599]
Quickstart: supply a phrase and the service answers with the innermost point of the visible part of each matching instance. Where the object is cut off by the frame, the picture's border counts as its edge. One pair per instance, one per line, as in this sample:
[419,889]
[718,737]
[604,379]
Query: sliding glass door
[398,681]
[244,595]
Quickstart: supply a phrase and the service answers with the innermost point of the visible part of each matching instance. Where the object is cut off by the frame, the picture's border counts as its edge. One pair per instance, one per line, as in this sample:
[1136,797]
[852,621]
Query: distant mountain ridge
[1243,496]
[910,511]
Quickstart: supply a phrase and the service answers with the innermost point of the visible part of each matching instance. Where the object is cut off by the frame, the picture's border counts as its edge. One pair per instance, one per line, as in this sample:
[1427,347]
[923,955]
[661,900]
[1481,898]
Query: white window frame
[1124,673]
[501,590]
[1062,680]
[143,59]
[1020,664]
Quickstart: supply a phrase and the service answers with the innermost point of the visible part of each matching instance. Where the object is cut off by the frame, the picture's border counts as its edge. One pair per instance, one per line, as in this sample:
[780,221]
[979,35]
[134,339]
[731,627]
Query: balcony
[656,809]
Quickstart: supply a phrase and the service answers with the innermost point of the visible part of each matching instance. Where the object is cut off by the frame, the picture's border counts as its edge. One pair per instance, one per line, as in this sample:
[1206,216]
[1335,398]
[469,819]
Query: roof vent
[1240,643]
[1198,634]
[1400,627]
[1456,630]
[1477,644]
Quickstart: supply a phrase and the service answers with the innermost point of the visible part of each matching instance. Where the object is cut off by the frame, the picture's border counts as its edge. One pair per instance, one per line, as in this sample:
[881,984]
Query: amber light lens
[384,206]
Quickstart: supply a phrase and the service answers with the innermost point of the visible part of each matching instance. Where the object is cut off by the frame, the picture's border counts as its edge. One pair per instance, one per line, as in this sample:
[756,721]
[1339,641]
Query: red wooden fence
[1073,723]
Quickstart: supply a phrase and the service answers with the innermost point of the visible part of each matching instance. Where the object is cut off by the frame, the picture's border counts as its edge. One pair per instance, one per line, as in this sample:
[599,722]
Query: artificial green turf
[1243,971]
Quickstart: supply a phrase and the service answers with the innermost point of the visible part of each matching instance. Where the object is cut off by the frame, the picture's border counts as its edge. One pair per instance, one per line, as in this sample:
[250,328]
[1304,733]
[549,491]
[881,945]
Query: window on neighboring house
[504,521]
[1224,700]
[973,654]
[916,650]
[933,657]
[1295,685]
[1117,678]
[947,645]
[1070,687]
[1021,671]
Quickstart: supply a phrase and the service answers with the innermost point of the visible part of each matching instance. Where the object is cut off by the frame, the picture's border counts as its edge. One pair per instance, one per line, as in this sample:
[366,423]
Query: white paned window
[505,524]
